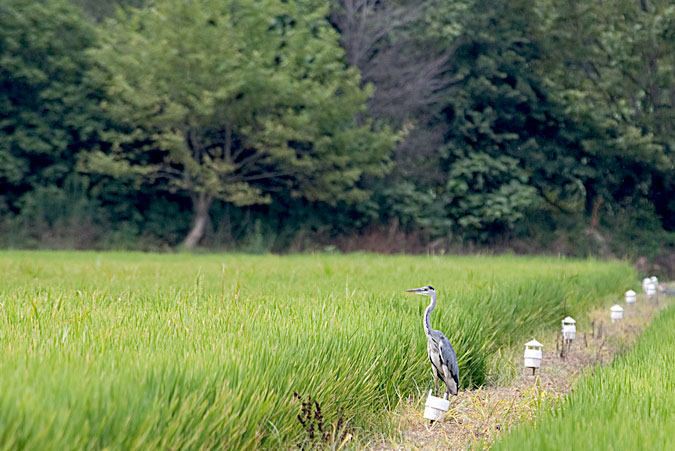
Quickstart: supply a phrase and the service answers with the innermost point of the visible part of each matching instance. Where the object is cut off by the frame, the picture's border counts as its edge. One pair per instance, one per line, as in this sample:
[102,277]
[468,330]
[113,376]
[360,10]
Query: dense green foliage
[285,125]
[142,351]
[47,108]
[234,100]
[628,405]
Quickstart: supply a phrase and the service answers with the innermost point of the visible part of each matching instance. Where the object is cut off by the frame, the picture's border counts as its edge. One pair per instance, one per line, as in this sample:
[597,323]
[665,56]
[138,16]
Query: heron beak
[413,290]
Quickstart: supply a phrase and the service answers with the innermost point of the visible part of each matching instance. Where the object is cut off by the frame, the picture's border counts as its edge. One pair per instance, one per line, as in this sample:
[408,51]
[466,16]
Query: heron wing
[449,361]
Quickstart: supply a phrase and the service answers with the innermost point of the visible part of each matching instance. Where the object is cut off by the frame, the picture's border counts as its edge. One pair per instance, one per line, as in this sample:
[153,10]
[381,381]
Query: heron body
[441,353]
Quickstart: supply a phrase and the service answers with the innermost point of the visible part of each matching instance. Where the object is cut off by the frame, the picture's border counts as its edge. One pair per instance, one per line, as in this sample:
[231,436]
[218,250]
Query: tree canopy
[395,126]
[46,108]
[235,98]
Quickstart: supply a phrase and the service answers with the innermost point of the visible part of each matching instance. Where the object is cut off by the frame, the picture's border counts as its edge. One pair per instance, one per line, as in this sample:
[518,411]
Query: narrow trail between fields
[477,417]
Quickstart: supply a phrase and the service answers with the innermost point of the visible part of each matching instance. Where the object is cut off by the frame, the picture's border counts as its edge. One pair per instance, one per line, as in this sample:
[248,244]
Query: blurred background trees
[362,124]
[236,103]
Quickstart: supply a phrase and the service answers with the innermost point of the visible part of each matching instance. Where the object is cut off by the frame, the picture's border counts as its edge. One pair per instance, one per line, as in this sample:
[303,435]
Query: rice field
[628,405]
[143,351]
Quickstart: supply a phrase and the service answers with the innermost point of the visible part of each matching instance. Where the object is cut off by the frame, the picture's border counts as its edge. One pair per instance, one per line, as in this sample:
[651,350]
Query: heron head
[424,291]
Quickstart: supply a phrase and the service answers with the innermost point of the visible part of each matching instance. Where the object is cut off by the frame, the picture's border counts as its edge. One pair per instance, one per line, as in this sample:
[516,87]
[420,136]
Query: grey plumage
[440,351]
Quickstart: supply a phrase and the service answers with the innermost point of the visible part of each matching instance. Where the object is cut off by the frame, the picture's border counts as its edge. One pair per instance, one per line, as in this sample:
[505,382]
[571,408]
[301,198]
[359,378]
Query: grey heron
[441,353]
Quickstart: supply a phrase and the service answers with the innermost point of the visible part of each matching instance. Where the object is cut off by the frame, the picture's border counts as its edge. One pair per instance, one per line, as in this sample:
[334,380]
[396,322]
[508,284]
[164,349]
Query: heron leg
[433,370]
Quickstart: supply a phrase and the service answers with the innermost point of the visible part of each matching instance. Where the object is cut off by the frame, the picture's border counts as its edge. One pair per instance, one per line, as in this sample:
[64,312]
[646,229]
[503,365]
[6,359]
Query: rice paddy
[143,351]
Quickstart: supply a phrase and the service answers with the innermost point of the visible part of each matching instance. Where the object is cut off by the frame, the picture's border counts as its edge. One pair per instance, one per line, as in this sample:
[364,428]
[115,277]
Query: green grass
[141,351]
[626,406]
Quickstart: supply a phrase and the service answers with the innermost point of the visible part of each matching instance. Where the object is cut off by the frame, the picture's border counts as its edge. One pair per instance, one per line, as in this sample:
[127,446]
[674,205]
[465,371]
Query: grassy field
[628,405]
[142,351]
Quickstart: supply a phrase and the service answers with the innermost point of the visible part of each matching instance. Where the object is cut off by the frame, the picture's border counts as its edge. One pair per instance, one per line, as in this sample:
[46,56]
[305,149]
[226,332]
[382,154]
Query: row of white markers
[435,407]
[533,348]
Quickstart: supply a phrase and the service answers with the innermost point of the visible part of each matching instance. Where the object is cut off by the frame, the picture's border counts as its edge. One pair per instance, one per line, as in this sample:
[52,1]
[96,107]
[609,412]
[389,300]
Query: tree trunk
[595,213]
[201,205]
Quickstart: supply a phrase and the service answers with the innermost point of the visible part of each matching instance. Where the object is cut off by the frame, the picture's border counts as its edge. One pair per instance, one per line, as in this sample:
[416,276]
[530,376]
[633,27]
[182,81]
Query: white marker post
[533,354]
[435,407]
[616,313]
[631,297]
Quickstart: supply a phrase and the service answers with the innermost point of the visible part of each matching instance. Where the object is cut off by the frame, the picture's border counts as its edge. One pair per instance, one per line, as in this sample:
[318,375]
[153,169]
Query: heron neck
[427,314]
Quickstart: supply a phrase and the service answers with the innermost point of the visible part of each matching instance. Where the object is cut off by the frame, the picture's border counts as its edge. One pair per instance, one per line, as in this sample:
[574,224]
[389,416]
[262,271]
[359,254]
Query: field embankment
[628,405]
[139,351]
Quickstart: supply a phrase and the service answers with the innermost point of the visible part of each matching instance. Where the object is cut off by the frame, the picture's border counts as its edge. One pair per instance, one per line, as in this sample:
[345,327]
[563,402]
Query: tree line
[398,125]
